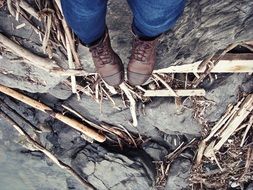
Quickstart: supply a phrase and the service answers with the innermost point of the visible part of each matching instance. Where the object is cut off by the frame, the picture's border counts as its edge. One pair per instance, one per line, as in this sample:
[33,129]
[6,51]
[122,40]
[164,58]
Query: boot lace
[101,52]
[141,50]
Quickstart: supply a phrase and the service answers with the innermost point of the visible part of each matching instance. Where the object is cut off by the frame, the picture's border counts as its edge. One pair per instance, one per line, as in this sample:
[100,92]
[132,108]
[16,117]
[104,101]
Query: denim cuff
[88,45]
[141,36]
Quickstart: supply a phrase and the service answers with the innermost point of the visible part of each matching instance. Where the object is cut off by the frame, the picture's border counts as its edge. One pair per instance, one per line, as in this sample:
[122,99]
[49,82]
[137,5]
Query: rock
[16,73]
[225,92]
[179,174]
[250,186]
[60,91]
[156,151]
[23,170]
[160,113]
[107,170]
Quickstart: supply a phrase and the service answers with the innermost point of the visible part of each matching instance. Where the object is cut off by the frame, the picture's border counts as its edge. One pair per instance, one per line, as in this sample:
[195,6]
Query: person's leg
[153,17]
[86,18]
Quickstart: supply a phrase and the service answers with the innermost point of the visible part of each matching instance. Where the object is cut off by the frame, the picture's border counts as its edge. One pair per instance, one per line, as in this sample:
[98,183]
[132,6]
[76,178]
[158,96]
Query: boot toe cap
[115,79]
[137,78]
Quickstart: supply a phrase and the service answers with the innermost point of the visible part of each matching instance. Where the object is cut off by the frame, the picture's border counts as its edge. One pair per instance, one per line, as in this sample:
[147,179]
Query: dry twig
[132,103]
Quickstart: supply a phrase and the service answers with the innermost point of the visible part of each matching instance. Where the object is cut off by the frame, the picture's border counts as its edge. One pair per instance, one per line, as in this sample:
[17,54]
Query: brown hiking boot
[142,61]
[107,62]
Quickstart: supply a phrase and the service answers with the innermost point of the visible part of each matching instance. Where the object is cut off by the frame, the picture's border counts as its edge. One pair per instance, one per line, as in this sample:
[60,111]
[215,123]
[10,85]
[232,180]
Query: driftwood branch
[42,63]
[37,61]
[44,108]
[37,146]
[230,63]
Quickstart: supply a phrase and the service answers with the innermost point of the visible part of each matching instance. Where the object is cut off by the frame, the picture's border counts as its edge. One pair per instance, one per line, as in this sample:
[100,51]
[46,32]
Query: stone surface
[16,73]
[179,174]
[225,91]
[111,171]
[205,27]
[23,171]
[160,113]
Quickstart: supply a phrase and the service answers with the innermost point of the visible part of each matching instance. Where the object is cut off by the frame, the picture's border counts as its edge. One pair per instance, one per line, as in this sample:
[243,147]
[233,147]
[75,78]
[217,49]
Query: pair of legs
[150,18]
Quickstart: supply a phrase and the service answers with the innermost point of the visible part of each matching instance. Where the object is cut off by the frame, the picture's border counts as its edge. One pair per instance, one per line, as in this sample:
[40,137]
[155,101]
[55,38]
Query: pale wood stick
[214,62]
[71,66]
[71,72]
[165,84]
[228,114]
[69,36]
[10,8]
[249,125]
[179,92]
[29,9]
[132,103]
[229,64]
[17,10]
[36,146]
[42,63]
[20,26]
[243,112]
[44,108]
[47,32]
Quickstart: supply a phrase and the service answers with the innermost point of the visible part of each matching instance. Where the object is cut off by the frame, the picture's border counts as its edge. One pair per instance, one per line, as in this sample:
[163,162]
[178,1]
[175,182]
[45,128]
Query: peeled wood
[132,103]
[179,92]
[37,61]
[28,8]
[44,108]
[243,112]
[228,124]
[230,63]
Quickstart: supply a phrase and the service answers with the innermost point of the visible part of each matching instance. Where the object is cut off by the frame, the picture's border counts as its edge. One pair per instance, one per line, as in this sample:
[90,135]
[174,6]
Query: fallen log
[44,108]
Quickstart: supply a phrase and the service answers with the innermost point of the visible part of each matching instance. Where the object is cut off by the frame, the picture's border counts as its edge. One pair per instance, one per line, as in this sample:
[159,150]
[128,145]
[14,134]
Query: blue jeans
[150,17]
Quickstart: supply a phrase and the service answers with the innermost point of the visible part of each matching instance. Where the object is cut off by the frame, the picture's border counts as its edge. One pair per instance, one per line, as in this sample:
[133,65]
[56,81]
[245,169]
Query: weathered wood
[44,108]
[125,89]
[230,63]
[242,113]
[29,9]
[179,92]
